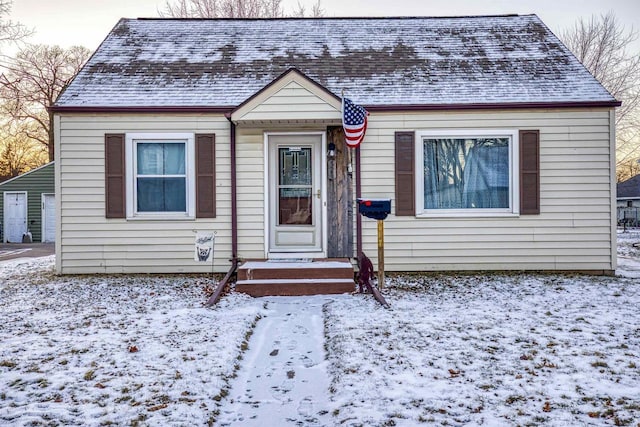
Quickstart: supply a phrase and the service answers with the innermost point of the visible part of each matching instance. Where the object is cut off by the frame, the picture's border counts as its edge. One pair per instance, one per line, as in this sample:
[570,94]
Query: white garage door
[15,216]
[48,217]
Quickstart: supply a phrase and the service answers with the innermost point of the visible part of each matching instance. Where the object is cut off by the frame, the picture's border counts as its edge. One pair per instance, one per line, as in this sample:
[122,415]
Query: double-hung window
[160,174]
[467,173]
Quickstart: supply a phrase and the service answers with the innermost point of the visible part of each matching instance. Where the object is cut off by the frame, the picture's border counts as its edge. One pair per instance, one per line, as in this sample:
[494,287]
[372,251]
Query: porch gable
[292,97]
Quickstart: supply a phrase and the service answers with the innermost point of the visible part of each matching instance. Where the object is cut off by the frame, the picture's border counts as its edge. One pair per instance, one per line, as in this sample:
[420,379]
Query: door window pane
[295,198]
[295,166]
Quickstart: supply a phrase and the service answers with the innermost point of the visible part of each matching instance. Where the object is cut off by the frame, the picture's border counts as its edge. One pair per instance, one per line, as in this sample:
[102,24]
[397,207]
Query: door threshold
[284,256]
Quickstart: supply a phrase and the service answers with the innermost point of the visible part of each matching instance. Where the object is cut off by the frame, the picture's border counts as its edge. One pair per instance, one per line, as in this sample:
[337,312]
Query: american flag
[354,122]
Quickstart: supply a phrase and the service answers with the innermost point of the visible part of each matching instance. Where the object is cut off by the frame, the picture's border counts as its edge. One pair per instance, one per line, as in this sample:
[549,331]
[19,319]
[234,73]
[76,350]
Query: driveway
[9,251]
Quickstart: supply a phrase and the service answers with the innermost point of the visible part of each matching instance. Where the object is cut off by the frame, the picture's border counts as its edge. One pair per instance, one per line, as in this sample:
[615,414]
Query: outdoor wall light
[331,150]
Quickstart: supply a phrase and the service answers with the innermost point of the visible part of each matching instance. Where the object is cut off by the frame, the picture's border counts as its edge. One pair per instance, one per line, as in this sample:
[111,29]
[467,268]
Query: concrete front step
[299,277]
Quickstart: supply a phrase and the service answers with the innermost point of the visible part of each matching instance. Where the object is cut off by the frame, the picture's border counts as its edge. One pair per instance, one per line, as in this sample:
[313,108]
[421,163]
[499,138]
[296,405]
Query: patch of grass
[223,393]
[599,364]
[8,364]
[515,398]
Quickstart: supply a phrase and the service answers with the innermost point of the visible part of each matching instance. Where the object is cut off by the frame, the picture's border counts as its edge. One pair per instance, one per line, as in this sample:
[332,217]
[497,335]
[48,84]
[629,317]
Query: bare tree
[232,9]
[605,48]
[10,30]
[19,153]
[316,10]
[32,82]
[222,9]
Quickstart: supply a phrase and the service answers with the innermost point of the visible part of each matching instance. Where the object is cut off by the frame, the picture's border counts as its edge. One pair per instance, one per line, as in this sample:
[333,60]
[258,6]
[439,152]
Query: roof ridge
[328,18]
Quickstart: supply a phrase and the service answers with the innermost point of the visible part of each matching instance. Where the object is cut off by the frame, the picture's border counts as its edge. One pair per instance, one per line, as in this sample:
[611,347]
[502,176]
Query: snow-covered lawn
[493,350]
[121,350]
[497,350]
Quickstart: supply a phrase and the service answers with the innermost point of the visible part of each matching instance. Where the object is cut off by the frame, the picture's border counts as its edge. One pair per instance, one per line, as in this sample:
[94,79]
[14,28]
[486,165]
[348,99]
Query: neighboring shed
[494,144]
[27,204]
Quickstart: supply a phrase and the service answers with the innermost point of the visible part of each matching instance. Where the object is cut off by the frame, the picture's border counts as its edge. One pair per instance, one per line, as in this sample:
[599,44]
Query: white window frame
[131,141]
[514,181]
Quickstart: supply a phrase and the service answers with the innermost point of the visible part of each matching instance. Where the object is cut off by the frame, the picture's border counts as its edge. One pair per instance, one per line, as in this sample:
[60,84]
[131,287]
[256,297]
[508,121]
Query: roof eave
[226,109]
[493,106]
[142,109]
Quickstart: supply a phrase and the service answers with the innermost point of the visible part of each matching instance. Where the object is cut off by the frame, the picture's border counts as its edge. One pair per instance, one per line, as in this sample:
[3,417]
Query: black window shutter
[405,177]
[205,175]
[529,172]
[115,195]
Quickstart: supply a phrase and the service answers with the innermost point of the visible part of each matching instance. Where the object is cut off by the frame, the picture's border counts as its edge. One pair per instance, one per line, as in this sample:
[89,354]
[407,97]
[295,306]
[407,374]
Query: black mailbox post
[377,209]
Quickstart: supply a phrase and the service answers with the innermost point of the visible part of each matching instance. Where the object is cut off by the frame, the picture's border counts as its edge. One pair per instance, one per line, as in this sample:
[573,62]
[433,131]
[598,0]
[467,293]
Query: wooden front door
[295,195]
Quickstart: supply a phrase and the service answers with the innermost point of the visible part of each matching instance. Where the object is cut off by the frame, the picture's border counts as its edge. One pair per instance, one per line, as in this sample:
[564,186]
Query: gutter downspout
[223,285]
[358,216]
[234,197]
[234,201]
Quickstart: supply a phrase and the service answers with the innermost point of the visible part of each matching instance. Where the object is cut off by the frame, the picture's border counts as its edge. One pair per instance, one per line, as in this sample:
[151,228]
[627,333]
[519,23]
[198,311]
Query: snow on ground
[629,255]
[284,380]
[122,350]
[494,350]
[489,350]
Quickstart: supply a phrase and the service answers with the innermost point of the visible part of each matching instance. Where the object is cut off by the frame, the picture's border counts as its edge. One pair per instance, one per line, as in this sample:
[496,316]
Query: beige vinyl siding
[250,192]
[90,243]
[292,102]
[572,232]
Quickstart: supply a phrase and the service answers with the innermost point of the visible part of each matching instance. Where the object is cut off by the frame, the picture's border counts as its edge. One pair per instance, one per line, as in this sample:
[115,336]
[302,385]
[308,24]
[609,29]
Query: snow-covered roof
[629,189]
[377,61]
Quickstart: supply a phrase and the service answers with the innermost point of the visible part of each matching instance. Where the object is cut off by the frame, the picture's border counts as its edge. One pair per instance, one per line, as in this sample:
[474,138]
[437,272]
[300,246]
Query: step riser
[326,276]
[295,289]
[309,273]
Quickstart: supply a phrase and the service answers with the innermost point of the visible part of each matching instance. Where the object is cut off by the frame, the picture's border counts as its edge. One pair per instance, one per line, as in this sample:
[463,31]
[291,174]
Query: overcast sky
[87,22]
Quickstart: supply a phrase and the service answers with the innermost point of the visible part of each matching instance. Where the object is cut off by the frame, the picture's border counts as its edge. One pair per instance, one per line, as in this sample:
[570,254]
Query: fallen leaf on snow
[157,407]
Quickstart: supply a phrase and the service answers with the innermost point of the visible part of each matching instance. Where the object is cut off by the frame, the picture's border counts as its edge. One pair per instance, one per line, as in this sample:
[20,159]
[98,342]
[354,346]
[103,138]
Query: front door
[295,199]
[15,216]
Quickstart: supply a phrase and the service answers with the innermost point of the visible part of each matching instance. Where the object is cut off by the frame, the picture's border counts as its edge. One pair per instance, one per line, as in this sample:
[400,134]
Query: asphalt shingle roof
[629,188]
[377,61]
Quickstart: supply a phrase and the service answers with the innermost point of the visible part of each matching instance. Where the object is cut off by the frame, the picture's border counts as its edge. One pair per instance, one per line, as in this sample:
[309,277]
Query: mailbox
[374,208]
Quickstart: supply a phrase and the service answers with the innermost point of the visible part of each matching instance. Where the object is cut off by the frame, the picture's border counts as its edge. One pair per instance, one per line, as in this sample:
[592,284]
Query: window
[467,172]
[160,176]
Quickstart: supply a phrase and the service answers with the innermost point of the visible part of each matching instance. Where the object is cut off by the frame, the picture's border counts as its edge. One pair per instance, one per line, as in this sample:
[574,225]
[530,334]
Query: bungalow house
[28,207]
[628,201]
[493,143]
[628,193]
